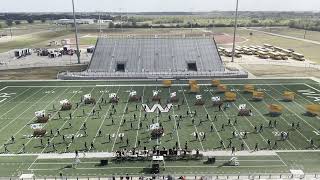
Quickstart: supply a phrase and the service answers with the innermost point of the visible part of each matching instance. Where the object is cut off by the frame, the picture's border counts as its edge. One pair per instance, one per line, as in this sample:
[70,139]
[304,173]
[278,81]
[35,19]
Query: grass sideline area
[19,100]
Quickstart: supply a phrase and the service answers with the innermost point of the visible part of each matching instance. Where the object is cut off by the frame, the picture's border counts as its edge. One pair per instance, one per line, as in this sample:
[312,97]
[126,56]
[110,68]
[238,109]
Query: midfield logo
[157,106]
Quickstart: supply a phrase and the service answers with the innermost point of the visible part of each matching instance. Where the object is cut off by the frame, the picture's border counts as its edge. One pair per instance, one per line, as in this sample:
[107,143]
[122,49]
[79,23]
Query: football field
[105,127]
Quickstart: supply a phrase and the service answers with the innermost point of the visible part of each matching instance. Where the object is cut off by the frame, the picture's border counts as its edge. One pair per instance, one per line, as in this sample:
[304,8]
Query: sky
[157,5]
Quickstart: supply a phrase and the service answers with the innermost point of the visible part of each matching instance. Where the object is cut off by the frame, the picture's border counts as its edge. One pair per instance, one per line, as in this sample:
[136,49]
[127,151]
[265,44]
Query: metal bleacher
[154,57]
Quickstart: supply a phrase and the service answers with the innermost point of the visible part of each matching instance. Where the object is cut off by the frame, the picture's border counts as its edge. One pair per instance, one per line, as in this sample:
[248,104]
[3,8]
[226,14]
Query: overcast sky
[157,5]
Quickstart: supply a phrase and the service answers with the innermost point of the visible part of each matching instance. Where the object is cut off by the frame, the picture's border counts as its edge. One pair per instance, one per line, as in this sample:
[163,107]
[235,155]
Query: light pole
[234,33]
[76,32]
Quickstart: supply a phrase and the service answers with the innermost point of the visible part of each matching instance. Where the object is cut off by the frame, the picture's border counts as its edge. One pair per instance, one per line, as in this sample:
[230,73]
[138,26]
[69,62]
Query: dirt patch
[222,38]
[41,73]
[280,71]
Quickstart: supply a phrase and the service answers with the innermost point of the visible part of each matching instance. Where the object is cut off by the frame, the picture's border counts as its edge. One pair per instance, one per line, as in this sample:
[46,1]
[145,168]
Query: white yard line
[212,122]
[53,136]
[267,166]
[312,87]
[157,115]
[4,88]
[152,85]
[186,100]
[226,115]
[291,111]
[295,113]
[175,123]
[140,114]
[22,112]
[17,104]
[284,118]
[52,115]
[250,123]
[88,115]
[206,154]
[31,118]
[104,118]
[123,113]
[263,116]
[11,99]
[282,160]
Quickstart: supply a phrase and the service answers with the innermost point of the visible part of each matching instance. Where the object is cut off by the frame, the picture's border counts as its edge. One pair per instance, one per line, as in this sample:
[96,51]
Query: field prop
[156,130]
[248,88]
[244,111]
[222,88]
[167,83]
[173,97]
[113,98]
[216,101]
[257,95]
[194,88]
[199,100]
[288,96]
[230,96]
[38,130]
[133,97]
[88,99]
[65,105]
[215,83]
[156,95]
[313,110]
[192,82]
[41,116]
[275,109]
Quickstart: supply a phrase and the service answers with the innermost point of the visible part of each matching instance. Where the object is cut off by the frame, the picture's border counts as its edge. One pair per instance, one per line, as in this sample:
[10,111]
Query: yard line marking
[123,113]
[152,85]
[51,139]
[97,162]
[281,159]
[31,119]
[291,111]
[157,119]
[69,144]
[14,97]
[17,104]
[298,105]
[52,115]
[264,117]
[141,108]
[3,88]
[104,118]
[227,116]
[175,123]
[296,114]
[251,123]
[312,87]
[213,123]
[142,167]
[303,98]
[186,100]
[23,111]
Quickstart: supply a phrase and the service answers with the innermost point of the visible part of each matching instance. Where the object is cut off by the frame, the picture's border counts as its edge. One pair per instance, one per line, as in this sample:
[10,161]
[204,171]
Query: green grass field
[19,100]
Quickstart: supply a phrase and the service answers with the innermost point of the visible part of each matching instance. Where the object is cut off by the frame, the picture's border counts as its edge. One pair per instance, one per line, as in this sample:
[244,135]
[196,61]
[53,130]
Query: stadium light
[235,31]
[76,32]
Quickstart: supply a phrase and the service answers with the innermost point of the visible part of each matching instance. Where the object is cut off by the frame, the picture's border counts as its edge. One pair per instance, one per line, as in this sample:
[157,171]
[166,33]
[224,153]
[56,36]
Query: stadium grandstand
[156,57]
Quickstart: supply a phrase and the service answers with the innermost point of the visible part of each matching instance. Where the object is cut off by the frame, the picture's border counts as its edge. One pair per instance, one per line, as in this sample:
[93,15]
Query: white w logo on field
[157,106]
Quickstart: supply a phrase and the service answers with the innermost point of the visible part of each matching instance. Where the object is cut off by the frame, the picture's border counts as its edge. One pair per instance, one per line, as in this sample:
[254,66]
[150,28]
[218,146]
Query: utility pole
[100,31]
[76,32]
[235,32]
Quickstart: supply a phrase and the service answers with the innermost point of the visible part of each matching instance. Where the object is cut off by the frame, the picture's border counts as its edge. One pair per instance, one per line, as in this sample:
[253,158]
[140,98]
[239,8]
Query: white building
[78,21]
